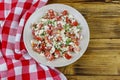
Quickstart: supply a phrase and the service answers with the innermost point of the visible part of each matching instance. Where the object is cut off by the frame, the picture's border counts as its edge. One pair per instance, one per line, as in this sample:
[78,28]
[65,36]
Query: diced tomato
[51,14]
[75,23]
[47,53]
[51,11]
[40,25]
[59,38]
[65,12]
[37,38]
[68,20]
[49,56]
[57,52]
[59,26]
[77,43]
[42,47]
[58,18]
[67,56]
[71,48]
[49,32]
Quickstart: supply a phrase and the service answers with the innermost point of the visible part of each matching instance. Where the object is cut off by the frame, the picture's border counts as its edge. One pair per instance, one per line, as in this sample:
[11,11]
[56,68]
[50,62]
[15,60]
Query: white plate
[27,35]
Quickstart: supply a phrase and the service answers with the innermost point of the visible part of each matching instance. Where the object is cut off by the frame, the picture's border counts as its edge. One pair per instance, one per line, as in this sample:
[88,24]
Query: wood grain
[104,44]
[108,0]
[93,77]
[115,1]
[77,1]
[74,1]
[101,61]
[103,20]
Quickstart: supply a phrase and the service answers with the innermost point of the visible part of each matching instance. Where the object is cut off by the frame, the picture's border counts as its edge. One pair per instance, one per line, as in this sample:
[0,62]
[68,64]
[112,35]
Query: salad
[56,34]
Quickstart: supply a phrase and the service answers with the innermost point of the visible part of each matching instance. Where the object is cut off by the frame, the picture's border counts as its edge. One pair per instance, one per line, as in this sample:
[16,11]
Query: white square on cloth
[11,39]
[49,78]
[8,1]
[14,24]
[17,38]
[6,13]
[32,68]
[3,67]
[18,70]
[9,52]
[18,10]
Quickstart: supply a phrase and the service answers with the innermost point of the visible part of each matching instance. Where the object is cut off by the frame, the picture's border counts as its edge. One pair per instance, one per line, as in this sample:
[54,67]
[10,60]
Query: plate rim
[63,9]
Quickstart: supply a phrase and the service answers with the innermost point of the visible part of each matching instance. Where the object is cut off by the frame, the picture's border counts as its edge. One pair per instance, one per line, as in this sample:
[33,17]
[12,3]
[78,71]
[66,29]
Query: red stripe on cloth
[11,78]
[26,76]
[1,6]
[14,4]
[25,63]
[22,46]
[10,17]
[17,62]
[2,16]
[11,72]
[27,5]
[4,44]
[6,30]
[41,73]
[0,45]
[54,74]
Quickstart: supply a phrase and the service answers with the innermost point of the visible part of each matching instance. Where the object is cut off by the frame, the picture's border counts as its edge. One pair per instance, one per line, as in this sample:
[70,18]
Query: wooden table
[101,61]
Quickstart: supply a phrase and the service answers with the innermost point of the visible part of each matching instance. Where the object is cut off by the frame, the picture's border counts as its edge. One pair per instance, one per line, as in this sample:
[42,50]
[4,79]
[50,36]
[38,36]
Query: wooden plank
[93,77]
[73,1]
[108,0]
[101,58]
[98,14]
[115,1]
[104,44]
[99,29]
[61,69]
[102,52]
[101,61]
[77,1]
[94,65]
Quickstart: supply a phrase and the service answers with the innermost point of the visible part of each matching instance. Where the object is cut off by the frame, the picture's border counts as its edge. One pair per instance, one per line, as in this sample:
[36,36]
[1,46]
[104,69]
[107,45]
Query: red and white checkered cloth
[15,62]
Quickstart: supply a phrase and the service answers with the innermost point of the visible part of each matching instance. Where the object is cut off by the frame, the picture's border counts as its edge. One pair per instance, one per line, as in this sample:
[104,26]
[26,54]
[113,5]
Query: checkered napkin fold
[15,62]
